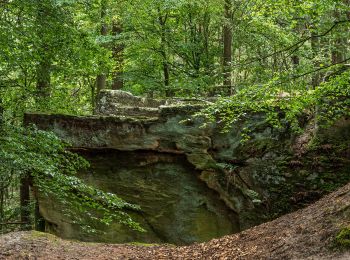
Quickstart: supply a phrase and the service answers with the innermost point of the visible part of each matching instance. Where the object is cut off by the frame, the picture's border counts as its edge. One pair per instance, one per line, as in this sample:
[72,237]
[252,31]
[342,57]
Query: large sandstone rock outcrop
[193,183]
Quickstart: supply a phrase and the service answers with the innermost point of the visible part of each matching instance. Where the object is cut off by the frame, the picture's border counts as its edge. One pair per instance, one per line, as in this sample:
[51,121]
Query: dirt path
[305,234]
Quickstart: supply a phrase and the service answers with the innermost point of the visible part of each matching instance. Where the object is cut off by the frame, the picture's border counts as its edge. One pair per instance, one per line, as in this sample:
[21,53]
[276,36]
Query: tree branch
[313,71]
[294,46]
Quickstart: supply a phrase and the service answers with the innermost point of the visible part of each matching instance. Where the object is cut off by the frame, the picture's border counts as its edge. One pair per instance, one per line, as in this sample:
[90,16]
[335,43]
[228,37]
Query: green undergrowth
[342,239]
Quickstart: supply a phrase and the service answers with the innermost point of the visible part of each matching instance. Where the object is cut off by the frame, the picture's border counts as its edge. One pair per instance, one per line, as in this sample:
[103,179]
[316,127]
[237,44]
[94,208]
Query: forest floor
[305,234]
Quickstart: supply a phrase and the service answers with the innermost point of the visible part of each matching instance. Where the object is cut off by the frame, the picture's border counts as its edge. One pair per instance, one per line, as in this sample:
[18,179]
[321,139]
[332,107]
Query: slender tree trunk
[1,114]
[339,44]
[39,220]
[338,52]
[25,202]
[315,49]
[227,42]
[166,76]
[3,187]
[2,206]
[166,69]
[316,77]
[93,95]
[295,61]
[118,50]
[43,77]
[43,69]
[206,39]
[101,79]
[295,58]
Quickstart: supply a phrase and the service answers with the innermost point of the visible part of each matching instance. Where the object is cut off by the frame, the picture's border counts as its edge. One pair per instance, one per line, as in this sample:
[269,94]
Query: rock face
[176,207]
[193,183]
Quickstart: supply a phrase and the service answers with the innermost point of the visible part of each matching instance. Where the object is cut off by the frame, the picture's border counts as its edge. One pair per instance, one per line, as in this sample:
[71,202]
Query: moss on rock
[343,238]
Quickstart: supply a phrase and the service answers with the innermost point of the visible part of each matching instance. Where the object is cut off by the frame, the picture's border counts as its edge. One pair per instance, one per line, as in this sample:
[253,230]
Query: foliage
[331,99]
[343,238]
[45,31]
[279,40]
[52,168]
[289,59]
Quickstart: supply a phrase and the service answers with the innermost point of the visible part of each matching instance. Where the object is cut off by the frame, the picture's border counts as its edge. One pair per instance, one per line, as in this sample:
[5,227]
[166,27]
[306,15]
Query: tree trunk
[39,220]
[43,81]
[168,92]
[1,114]
[93,95]
[295,61]
[339,44]
[101,79]
[25,202]
[100,82]
[165,61]
[316,77]
[227,42]
[315,49]
[118,50]
[166,70]
[43,69]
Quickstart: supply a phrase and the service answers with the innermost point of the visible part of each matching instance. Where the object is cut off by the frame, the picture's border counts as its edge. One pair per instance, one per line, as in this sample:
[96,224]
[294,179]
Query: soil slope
[306,234]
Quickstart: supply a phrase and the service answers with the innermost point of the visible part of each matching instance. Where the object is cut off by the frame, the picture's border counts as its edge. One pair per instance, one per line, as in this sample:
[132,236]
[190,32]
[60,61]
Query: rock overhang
[249,181]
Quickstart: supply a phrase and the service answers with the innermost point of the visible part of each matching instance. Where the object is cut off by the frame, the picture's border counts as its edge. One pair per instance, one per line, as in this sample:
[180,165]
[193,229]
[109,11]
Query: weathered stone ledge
[157,161]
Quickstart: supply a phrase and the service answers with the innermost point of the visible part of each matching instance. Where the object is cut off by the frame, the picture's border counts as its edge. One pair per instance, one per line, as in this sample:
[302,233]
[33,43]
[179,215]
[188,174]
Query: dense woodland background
[56,55]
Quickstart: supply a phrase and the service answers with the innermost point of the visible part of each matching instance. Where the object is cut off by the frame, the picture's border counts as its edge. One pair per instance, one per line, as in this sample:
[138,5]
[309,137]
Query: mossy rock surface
[195,183]
[176,207]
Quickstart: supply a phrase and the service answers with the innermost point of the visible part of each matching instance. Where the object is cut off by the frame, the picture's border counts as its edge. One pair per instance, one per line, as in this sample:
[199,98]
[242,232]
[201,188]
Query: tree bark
[1,114]
[118,49]
[315,48]
[39,220]
[43,69]
[25,202]
[338,52]
[43,77]
[316,77]
[227,42]
[295,61]
[166,70]
[101,79]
